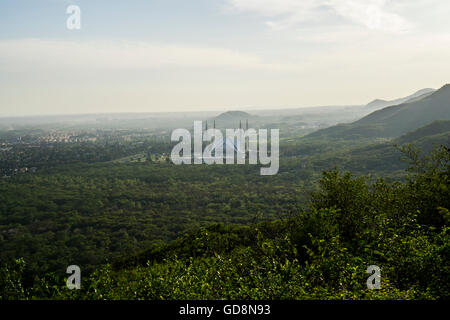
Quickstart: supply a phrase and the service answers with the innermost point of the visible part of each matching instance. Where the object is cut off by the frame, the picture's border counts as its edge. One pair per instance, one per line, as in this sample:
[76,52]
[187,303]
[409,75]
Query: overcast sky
[182,55]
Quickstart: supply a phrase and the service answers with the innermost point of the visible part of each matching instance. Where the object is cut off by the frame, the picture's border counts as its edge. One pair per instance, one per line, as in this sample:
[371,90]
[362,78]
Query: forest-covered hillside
[112,202]
[393,121]
[319,252]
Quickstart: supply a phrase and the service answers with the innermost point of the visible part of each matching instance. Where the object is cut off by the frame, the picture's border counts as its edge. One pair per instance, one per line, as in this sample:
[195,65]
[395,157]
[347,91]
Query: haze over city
[154,56]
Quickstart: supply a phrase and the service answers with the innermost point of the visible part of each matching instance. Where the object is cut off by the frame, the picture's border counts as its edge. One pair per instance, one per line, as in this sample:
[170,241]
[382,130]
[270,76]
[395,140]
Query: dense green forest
[319,252]
[141,227]
[88,214]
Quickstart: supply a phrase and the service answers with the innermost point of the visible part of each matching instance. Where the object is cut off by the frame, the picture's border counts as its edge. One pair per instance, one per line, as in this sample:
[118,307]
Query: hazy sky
[176,55]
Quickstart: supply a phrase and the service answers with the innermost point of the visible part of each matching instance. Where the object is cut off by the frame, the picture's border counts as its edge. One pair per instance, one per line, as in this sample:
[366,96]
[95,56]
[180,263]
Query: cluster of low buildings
[65,137]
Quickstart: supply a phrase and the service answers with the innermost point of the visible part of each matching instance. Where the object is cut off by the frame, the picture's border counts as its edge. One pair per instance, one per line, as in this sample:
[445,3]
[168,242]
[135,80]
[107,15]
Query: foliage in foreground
[321,253]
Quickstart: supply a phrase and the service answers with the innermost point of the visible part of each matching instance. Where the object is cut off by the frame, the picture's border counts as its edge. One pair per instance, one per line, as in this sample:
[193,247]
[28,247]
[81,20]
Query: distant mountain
[396,120]
[234,115]
[420,97]
[402,118]
[232,119]
[379,103]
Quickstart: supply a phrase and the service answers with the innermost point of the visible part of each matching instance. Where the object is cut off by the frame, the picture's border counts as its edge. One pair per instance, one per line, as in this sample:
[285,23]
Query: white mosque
[225,144]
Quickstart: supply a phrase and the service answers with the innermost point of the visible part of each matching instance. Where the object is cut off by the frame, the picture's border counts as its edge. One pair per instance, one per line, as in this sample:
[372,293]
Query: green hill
[382,158]
[394,121]
[431,131]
